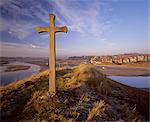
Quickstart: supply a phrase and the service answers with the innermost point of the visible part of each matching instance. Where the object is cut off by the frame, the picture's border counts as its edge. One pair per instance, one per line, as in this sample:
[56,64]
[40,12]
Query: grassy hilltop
[83,94]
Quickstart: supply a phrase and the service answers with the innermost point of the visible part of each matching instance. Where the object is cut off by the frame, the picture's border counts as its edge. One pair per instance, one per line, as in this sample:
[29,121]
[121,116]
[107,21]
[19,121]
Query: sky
[95,27]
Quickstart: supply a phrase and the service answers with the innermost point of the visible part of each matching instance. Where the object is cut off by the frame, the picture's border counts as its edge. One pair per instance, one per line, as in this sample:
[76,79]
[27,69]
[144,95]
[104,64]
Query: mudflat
[124,70]
[12,68]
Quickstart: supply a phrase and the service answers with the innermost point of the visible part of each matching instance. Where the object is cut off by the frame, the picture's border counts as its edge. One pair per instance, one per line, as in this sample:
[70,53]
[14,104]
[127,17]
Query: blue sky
[95,27]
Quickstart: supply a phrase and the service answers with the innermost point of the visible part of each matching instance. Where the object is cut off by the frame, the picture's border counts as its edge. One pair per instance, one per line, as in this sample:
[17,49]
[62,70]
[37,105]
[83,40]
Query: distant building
[133,59]
[125,60]
[140,58]
[120,59]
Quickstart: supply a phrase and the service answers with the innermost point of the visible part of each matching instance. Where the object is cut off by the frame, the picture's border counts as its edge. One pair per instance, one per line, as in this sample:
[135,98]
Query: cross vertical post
[52,51]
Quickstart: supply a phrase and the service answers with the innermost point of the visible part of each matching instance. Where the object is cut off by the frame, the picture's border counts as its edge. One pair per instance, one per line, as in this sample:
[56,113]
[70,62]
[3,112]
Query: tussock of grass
[97,111]
[94,79]
[87,72]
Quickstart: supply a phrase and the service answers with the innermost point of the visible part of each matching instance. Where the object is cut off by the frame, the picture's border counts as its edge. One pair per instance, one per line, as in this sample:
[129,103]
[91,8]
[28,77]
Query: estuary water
[134,81]
[8,77]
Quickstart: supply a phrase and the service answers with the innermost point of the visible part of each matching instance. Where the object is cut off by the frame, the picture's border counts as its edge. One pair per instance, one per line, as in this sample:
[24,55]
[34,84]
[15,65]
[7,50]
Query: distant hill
[83,94]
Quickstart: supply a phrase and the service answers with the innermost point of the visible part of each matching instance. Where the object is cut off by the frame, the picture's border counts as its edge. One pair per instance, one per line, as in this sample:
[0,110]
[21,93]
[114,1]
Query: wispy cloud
[22,50]
[18,45]
[86,19]
[92,24]
[19,18]
[25,8]
[27,50]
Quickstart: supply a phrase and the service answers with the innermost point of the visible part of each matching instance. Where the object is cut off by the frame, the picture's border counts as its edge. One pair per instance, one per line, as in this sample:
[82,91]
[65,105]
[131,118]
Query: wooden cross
[52,55]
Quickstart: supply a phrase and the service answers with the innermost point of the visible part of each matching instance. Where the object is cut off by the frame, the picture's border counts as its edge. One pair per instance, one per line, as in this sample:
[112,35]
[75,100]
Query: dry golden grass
[87,72]
[97,111]
[80,96]
[93,78]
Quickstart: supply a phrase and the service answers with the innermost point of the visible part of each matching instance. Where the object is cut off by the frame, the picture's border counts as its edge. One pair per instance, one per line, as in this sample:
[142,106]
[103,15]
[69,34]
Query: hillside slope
[83,94]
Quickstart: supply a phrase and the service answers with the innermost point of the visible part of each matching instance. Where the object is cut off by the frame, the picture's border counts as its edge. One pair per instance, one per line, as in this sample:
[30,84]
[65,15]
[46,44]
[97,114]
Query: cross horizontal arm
[61,29]
[42,29]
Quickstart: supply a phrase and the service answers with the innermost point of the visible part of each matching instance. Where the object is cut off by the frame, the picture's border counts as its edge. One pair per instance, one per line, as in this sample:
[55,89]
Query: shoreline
[123,70]
[13,68]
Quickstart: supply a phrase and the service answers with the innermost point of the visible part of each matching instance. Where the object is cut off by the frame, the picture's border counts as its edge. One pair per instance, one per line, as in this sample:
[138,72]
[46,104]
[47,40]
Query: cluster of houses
[121,59]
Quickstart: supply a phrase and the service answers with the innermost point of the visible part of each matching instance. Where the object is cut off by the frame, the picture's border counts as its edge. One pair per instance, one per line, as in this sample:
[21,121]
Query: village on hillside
[113,59]
[121,59]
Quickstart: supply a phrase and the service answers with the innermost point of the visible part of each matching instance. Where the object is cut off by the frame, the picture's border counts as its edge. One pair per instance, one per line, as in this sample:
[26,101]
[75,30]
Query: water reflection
[138,82]
[7,77]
